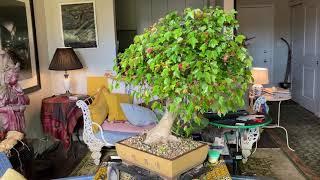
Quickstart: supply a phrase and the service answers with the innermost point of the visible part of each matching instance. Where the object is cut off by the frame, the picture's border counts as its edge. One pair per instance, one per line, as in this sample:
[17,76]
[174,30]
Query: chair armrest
[88,135]
[101,132]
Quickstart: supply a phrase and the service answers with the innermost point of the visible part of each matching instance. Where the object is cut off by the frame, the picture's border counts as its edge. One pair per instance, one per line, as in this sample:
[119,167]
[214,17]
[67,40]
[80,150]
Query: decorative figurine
[260,105]
[13,101]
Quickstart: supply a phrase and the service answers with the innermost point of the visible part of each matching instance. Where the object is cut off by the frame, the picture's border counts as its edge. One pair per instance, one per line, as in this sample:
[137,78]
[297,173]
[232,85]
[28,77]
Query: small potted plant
[194,63]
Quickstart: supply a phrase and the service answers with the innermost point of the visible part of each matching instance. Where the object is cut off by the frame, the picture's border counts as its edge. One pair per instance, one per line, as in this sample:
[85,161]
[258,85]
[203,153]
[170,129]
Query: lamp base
[67,93]
[66,83]
[257,90]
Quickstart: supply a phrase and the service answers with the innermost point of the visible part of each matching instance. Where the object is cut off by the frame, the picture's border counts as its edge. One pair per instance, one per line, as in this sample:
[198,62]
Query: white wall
[32,113]
[281,29]
[95,60]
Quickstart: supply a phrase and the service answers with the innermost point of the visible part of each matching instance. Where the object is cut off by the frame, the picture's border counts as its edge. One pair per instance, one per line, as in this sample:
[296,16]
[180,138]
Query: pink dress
[12,102]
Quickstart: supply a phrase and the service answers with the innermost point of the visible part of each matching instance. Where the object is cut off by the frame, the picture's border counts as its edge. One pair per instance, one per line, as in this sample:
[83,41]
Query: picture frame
[79,24]
[18,35]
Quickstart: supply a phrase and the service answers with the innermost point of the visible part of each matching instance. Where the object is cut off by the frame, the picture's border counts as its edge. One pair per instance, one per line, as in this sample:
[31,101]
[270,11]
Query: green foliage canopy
[193,59]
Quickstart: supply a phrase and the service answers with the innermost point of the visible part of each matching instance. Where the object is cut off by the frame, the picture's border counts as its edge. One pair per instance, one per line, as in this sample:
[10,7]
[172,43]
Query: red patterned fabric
[59,116]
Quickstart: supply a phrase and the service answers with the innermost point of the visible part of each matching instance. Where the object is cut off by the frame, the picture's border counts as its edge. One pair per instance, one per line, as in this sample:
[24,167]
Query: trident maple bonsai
[192,61]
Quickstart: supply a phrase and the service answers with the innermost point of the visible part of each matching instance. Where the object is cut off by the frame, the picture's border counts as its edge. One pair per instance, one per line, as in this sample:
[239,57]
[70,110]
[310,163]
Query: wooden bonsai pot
[168,168]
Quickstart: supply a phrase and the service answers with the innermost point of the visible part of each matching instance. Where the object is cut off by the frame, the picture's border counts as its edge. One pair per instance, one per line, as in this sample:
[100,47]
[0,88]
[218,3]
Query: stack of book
[277,92]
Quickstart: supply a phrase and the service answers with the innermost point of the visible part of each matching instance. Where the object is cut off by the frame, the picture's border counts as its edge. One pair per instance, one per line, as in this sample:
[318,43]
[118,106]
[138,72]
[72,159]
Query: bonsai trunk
[162,132]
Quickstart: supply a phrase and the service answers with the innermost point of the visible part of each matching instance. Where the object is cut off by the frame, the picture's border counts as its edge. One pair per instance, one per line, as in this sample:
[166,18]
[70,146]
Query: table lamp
[260,76]
[65,59]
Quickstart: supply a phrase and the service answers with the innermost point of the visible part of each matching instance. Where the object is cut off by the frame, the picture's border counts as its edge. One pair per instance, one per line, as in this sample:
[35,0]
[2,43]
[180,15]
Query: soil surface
[169,150]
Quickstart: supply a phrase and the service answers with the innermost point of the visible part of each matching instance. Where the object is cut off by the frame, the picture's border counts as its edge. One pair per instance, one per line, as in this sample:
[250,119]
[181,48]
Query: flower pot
[167,168]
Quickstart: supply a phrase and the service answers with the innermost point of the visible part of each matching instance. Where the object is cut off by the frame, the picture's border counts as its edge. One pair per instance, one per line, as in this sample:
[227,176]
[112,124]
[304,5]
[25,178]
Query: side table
[250,136]
[59,116]
[232,125]
[278,98]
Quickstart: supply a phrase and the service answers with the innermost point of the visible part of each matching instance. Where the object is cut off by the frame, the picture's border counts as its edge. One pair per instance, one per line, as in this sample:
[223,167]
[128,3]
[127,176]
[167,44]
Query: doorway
[256,23]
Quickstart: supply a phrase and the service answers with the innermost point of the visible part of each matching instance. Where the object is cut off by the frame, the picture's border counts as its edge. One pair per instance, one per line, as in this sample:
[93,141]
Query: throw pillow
[114,100]
[139,116]
[94,83]
[11,174]
[98,109]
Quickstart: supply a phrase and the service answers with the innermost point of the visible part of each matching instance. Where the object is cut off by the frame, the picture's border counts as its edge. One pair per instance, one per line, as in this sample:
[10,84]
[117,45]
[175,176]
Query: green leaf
[213,43]
[197,120]
[167,81]
[239,39]
[165,72]
[177,33]
[177,100]
[167,35]
[193,41]
[176,73]
[221,20]
[203,47]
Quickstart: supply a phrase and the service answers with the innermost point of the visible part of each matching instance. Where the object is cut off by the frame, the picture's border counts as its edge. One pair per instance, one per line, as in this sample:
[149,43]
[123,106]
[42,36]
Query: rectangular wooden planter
[169,168]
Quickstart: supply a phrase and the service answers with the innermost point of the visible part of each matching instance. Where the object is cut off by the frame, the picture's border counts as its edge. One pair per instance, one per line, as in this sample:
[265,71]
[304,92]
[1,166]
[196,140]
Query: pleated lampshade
[65,59]
[260,75]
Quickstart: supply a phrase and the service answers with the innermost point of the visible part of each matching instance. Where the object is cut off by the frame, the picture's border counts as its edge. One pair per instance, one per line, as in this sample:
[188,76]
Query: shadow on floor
[57,162]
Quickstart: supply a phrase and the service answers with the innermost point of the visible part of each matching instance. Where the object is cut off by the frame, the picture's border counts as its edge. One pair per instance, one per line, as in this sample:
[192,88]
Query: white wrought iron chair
[95,144]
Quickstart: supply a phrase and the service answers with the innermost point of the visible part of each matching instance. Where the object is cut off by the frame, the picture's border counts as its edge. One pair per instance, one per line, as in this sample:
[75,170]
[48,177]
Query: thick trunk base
[162,132]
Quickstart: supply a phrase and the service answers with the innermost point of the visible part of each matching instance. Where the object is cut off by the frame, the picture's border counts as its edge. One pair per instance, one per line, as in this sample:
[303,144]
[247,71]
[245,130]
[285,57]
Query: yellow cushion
[94,83]
[11,174]
[98,109]
[114,100]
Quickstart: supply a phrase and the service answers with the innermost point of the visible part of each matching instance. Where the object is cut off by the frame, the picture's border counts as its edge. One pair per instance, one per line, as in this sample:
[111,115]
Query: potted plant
[193,62]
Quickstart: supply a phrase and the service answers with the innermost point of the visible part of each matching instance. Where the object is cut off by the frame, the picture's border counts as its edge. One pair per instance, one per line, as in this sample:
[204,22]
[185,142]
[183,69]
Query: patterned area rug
[270,162]
[304,133]
[267,162]
[87,166]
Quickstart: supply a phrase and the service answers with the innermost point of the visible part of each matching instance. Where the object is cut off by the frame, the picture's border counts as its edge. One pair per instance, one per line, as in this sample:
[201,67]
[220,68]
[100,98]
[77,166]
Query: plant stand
[203,171]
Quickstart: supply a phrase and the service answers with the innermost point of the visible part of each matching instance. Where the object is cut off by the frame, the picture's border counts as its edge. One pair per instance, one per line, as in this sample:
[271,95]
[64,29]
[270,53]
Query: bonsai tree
[193,62]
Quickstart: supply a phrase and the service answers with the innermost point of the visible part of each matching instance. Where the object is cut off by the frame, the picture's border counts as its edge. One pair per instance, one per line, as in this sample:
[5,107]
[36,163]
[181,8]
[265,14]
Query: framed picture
[79,25]
[18,36]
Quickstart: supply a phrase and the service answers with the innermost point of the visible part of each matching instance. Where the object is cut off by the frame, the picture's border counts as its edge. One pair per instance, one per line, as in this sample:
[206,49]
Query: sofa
[108,133]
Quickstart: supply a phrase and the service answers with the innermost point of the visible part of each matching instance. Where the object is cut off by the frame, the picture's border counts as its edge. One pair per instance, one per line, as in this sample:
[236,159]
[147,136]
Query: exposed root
[173,138]
[157,138]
